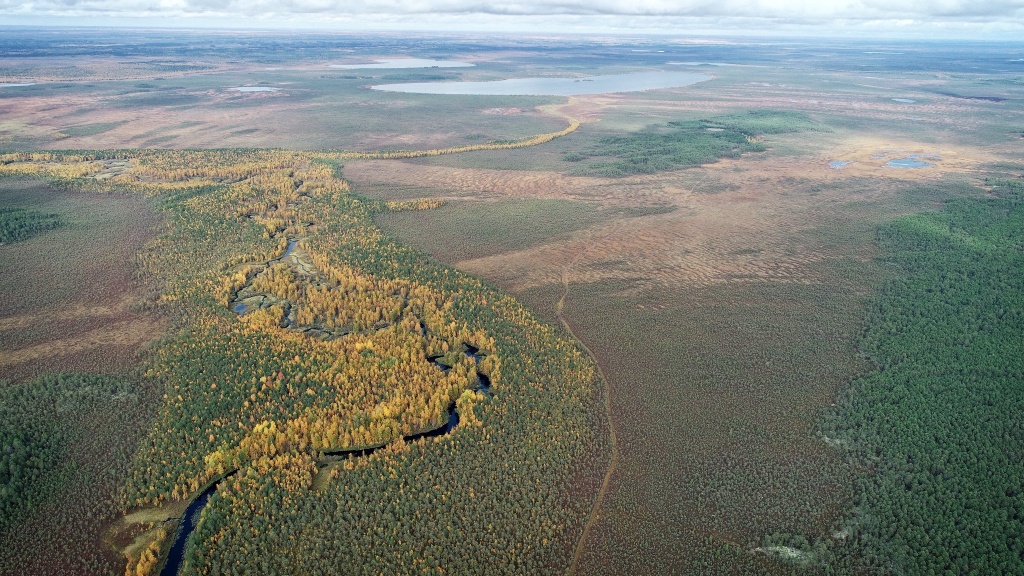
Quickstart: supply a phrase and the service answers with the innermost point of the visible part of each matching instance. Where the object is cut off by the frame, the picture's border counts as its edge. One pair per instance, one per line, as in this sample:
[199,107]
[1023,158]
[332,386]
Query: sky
[978,19]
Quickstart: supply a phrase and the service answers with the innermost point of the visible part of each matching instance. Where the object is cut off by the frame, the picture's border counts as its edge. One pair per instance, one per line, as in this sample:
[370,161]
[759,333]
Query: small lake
[3,85]
[839,164]
[908,162]
[255,89]
[904,100]
[404,63]
[554,86]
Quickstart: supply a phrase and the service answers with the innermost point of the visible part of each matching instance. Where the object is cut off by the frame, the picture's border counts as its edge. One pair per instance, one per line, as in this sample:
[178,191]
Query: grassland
[91,314]
[726,327]
[468,230]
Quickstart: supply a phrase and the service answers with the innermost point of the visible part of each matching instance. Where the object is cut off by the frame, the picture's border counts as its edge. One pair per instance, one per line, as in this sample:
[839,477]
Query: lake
[553,86]
[405,63]
[256,89]
[3,85]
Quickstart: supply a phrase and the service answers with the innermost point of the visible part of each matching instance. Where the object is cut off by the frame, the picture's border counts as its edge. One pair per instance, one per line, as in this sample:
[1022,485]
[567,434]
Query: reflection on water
[908,162]
[554,86]
[404,63]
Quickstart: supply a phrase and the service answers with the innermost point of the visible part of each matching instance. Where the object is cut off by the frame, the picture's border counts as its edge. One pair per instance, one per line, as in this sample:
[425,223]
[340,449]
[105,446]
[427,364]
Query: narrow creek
[190,520]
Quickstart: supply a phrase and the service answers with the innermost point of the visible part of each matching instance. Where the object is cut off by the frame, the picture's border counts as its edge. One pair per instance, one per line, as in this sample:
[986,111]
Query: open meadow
[669,331]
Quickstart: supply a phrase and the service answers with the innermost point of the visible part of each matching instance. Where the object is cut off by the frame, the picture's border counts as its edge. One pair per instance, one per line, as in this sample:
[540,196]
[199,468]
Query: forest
[937,422]
[17,224]
[685,143]
[352,341]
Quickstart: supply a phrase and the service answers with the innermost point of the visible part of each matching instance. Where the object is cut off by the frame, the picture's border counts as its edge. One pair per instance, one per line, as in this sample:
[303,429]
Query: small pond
[404,63]
[16,85]
[904,100]
[839,164]
[636,82]
[911,161]
[255,89]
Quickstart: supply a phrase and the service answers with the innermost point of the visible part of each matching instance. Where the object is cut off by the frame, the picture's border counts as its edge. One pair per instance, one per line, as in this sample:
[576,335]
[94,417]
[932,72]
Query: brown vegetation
[91,316]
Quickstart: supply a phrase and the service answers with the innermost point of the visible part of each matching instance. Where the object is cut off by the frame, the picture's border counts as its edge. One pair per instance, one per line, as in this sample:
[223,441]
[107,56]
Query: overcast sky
[983,19]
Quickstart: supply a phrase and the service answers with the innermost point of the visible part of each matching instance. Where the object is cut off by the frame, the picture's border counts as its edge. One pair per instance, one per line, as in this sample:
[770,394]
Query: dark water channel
[176,556]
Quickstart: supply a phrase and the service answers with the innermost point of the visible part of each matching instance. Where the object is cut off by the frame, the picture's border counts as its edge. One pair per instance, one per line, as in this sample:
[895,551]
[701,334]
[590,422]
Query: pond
[3,85]
[255,89]
[839,164]
[908,162]
[404,63]
[636,82]
[904,100]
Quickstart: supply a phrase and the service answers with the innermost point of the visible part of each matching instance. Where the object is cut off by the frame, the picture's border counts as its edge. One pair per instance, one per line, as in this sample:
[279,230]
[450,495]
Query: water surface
[3,85]
[908,162]
[256,89]
[405,63]
[554,86]
[839,164]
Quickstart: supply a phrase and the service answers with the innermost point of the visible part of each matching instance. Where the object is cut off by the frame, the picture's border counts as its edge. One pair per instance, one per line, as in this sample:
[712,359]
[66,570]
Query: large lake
[404,63]
[554,86]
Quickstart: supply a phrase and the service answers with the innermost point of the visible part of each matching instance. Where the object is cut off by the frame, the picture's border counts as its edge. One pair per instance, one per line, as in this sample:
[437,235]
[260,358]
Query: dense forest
[685,143]
[18,224]
[937,424]
[349,341]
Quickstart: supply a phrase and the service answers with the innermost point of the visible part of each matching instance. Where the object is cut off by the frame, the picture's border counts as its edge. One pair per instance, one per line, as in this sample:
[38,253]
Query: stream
[190,520]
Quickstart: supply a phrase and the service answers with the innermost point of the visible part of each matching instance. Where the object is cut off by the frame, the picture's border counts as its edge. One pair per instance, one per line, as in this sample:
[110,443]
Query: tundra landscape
[375,303]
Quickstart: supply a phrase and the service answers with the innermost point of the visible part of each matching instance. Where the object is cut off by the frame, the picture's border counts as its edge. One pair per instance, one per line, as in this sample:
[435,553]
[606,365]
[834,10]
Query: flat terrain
[725,304]
[726,319]
[74,300]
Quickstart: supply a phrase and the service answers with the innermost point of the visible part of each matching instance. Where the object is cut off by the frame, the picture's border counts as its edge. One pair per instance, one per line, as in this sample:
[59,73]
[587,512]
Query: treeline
[242,392]
[938,422]
[17,224]
[685,144]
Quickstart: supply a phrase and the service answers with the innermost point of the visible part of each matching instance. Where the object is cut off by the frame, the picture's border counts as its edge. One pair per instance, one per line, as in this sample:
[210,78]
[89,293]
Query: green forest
[937,424]
[685,143]
[17,224]
[352,341]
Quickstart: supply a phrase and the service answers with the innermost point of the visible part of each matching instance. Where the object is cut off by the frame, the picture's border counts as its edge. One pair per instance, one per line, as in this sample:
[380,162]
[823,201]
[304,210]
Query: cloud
[605,14]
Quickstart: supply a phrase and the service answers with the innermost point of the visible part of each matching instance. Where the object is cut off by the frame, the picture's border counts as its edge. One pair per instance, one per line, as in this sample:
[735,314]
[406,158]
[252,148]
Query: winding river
[190,520]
